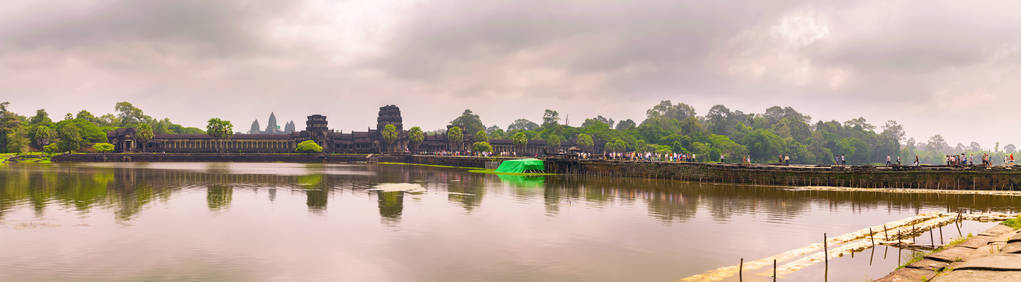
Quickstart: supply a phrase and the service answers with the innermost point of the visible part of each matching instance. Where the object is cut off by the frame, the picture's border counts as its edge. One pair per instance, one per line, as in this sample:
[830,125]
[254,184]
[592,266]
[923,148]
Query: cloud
[934,65]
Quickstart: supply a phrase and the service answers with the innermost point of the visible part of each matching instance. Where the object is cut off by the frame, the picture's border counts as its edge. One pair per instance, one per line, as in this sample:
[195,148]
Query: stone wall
[228,157]
[864,176]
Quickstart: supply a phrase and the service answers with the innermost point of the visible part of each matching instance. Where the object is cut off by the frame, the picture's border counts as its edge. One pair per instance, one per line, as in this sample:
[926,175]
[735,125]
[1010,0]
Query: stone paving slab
[929,264]
[1012,248]
[997,230]
[978,275]
[952,255]
[907,274]
[993,262]
[976,242]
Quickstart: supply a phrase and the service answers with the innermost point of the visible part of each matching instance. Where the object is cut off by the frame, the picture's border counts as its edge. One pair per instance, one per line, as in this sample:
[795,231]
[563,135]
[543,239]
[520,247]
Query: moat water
[309,222]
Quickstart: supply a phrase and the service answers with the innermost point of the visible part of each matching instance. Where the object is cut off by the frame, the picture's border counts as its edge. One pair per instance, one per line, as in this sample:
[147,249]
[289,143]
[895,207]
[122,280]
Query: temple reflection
[128,190]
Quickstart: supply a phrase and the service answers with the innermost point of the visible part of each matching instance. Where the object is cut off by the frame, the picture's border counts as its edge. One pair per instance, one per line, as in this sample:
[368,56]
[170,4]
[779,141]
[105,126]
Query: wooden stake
[941,235]
[873,238]
[774,270]
[826,257]
[740,271]
[932,242]
[886,233]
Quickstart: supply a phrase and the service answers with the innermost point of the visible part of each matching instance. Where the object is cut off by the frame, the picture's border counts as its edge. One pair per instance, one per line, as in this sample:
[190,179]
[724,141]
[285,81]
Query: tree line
[765,137]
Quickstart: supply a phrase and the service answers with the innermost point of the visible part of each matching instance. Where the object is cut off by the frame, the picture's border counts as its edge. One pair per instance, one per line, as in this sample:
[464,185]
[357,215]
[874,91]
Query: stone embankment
[993,255]
[928,177]
[474,162]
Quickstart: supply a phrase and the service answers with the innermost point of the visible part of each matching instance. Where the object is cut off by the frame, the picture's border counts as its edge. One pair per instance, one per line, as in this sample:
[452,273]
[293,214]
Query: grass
[493,171]
[1013,222]
[918,256]
[427,165]
[43,158]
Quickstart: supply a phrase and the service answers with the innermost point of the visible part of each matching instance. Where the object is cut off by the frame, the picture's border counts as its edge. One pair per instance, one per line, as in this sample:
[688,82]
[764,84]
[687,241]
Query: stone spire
[271,126]
[289,127]
[255,127]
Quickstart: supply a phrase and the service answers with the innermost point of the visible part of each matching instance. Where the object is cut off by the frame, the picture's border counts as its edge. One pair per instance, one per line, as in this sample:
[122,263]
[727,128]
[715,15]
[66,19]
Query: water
[277,221]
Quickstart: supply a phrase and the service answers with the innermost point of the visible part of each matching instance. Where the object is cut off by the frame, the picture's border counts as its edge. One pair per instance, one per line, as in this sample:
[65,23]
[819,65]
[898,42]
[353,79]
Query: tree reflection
[128,190]
[219,196]
[391,204]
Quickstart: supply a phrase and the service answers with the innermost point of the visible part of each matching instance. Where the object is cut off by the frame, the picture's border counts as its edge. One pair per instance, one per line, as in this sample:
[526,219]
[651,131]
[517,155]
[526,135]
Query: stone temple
[316,128]
[271,127]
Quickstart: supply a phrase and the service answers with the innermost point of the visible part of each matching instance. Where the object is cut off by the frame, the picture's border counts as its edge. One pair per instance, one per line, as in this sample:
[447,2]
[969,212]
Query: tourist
[887,160]
[843,160]
[722,157]
[787,160]
[898,160]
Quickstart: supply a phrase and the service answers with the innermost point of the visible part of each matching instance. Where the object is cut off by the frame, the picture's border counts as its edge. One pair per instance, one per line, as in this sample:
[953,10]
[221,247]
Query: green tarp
[522,181]
[521,166]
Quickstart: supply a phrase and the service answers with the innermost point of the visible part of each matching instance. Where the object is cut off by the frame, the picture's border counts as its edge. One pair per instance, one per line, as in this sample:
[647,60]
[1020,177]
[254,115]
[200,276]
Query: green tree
[585,141]
[763,145]
[616,146]
[553,140]
[40,117]
[41,135]
[522,124]
[219,129]
[103,147]
[416,136]
[143,134]
[550,118]
[455,137]
[390,135]
[308,146]
[16,140]
[482,146]
[666,109]
[481,136]
[128,114]
[52,148]
[520,139]
[625,125]
[70,136]
[468,122]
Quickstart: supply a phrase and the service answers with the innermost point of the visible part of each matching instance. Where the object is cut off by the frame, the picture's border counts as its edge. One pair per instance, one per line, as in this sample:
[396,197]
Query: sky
[937,67]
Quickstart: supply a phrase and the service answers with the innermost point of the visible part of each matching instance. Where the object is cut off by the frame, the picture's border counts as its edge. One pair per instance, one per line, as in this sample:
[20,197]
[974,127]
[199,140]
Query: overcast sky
[949,67]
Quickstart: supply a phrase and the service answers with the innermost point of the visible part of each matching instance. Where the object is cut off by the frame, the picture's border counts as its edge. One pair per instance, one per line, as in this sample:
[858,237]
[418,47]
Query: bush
[308,146]
[103,147]
[482,147]
[52,148]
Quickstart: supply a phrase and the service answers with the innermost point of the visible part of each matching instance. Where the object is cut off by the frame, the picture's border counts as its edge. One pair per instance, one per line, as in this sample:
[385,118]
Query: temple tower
[271,126]
[389,114]
[317,130]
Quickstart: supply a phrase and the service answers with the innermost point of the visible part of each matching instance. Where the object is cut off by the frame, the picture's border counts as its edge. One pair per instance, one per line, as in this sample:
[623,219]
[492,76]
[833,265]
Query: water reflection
[129,189]
[487,227]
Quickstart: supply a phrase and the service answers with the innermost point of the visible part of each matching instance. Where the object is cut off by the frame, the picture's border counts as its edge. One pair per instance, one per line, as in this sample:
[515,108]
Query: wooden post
[740,270]
[871,237]
[886,233]
[774,270]
[899,248]
[826,258]
[941,235]
[932,242]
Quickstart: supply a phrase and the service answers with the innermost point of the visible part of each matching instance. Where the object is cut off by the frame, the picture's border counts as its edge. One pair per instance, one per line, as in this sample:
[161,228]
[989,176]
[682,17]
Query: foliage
[519,139]
[1013,222]
[482,146]
[553,140]
[390,133]
[308,146]
[103,147]
[218,128]
[468,122]
[550,118]
[415,135]
[455,137]
[52,148]
[481,136]
[16,141]
[144,134]
[522,125]
[585,140]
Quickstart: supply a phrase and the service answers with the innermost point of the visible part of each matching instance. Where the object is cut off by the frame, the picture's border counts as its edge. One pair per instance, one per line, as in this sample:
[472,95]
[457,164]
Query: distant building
[274,140]
[271,126]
